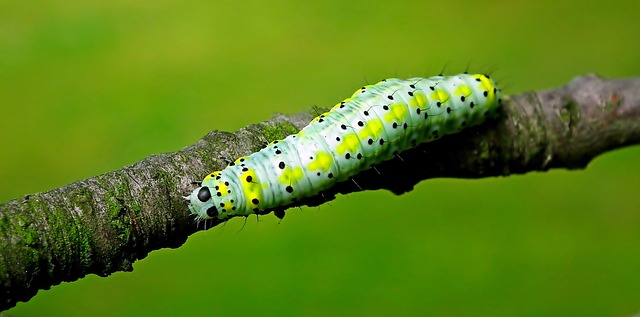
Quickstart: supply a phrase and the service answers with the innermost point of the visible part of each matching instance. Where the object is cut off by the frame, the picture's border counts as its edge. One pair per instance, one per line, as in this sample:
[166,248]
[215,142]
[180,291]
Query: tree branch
[103,224]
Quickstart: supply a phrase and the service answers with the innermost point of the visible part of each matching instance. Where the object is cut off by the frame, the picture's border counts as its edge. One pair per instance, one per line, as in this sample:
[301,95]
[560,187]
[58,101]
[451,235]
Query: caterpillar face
[221,193]
[202,204]
[373,125]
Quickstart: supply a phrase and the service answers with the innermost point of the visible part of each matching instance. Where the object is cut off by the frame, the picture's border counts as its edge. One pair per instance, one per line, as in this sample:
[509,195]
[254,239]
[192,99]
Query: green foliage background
[88,87]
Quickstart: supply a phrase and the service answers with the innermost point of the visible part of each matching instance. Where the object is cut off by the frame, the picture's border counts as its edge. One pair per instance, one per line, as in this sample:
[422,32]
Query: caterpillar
[373,125]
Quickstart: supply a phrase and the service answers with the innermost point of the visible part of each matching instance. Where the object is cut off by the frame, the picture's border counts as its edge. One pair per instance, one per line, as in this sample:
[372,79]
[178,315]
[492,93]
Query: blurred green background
[88,87]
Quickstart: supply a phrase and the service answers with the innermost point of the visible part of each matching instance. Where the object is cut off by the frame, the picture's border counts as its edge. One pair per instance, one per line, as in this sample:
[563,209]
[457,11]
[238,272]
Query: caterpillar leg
[279,213]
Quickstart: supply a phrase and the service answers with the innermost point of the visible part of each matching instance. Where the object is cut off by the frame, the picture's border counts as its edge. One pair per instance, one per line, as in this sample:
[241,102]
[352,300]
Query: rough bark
[103,224]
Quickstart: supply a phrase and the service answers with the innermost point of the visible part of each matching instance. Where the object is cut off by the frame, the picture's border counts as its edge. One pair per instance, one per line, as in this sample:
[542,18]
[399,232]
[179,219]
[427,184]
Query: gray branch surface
[103,224]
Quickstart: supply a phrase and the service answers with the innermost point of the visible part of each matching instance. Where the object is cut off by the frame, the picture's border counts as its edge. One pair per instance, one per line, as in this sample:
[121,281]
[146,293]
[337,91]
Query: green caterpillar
[374,124]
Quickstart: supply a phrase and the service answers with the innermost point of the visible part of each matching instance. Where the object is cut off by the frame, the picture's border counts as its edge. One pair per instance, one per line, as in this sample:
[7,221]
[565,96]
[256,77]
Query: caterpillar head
[202,204]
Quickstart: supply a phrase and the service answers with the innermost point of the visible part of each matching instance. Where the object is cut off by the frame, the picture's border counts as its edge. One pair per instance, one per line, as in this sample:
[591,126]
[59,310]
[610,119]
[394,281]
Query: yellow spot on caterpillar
[350,142]
[463,90]
[487,85]
[290,176]
[240,159]
[323,161]
[251,186]
[222,188]
[318,117]
[210,176]
[419,100]
[228,206]
[439,95]
[359,91]
[398,112]
[372,129]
